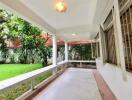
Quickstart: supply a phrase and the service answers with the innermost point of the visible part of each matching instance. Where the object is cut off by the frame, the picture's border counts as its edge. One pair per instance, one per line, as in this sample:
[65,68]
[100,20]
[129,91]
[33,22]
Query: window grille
[126,26]
[122,3]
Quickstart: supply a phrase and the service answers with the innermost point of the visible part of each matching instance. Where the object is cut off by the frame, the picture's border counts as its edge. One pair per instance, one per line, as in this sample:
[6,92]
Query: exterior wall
[118,36]
[116,76]
[113,77]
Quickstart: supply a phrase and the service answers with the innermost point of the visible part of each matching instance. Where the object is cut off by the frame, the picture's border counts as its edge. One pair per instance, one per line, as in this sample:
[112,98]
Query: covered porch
[99,22]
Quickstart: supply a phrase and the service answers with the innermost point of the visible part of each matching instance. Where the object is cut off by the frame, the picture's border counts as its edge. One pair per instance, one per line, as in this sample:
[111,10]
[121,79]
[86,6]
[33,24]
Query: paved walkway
[73,84]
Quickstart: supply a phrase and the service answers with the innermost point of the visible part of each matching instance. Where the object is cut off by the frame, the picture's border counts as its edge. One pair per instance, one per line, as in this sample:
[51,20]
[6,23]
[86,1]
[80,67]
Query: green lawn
[11,70]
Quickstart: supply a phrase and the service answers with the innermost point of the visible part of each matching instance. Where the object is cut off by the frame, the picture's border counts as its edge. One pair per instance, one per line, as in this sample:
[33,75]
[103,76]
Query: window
[126,25]
[110,45]
[110,39]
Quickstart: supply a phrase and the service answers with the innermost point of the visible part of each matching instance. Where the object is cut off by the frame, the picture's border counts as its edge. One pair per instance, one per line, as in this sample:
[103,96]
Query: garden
[22,49]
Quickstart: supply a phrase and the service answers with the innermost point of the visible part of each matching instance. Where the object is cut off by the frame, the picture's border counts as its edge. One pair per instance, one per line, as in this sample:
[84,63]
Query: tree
[81,52]
[43,51]
[14,28]
[3,34]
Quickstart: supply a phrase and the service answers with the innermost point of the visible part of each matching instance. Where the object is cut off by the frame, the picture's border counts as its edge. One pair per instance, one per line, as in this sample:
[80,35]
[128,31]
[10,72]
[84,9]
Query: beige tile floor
[73,84]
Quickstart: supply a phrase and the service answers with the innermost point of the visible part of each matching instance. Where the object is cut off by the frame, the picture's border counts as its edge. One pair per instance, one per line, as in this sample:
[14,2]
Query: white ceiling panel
[82,16]
[80,12]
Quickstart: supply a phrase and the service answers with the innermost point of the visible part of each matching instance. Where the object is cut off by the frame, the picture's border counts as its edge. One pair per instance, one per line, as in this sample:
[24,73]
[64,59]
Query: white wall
[113,76]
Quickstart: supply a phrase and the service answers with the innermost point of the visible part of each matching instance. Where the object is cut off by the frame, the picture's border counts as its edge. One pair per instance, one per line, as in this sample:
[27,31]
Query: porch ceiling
[82,16]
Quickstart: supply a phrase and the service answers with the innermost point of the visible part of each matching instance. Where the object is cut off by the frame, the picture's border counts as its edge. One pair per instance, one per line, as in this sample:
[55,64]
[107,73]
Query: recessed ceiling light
[74,34]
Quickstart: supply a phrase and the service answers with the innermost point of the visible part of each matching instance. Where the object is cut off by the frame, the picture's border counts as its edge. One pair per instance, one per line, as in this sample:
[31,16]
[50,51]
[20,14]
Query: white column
[92,51]
[120,40]
[97,55]
[66,51]
[100,47]
[54,57]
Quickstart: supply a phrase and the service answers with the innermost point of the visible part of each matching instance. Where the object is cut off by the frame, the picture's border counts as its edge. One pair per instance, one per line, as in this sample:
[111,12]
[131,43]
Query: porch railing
[30,76]
[82,61]
[12,82]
